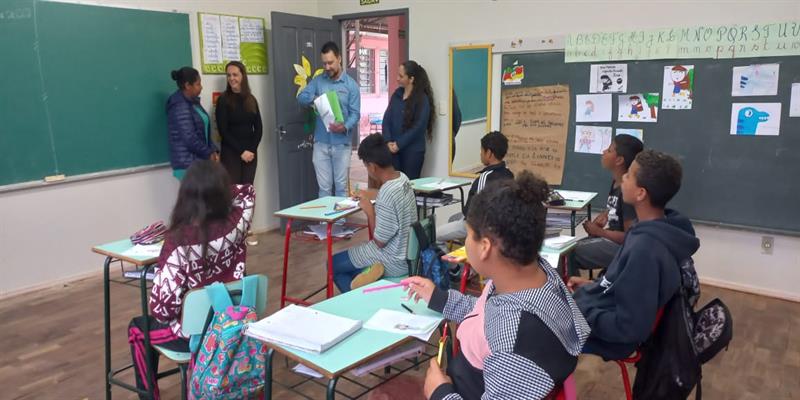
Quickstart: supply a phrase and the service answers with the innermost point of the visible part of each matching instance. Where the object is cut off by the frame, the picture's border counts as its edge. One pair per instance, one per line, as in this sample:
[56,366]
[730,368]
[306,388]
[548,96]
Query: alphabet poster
[748,119]
[678,87]
[608,78]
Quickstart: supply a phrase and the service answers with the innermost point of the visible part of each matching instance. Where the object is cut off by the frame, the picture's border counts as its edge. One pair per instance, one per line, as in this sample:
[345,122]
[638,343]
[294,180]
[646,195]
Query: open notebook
[303,328]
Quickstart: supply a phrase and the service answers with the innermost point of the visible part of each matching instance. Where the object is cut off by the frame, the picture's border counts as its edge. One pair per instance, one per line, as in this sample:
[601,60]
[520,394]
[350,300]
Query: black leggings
[240,172]
[410,163]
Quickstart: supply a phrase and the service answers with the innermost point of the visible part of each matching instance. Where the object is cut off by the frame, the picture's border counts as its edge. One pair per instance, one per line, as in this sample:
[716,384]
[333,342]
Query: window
[383,68]
[366,70]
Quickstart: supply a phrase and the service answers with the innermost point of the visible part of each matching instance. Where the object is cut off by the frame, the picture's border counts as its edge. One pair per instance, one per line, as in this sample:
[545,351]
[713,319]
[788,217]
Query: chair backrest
[415,244]
[196,305]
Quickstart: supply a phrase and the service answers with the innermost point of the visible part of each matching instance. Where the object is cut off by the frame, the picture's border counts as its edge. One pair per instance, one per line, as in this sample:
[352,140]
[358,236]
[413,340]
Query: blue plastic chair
[194,316]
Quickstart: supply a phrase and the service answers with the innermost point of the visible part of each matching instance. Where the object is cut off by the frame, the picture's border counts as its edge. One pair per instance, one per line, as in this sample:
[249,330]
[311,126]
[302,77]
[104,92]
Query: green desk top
[575,200]
[365,343]
[324,204]
[116,250]
[452,182]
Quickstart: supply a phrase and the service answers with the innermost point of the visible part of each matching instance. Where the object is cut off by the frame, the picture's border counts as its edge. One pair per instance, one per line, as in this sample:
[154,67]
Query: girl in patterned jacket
[521,338]
[204,244]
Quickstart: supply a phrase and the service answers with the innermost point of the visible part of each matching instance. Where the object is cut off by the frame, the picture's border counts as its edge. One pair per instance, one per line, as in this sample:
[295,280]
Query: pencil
[310,207]
[377,288]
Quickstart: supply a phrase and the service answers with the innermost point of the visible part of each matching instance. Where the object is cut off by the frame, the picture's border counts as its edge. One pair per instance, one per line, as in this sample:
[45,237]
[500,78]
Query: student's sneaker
[252,239]
[367,276]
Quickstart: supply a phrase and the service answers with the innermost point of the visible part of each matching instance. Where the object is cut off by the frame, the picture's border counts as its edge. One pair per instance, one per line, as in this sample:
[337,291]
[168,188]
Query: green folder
[333,99]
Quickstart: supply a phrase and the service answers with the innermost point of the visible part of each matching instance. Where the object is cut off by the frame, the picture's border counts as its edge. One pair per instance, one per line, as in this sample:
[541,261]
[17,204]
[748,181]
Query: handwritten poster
[225,38]
[704,41]
[535,120]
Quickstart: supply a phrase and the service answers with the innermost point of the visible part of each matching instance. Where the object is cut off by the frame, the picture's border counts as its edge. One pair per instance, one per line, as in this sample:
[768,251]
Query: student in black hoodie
[621,306]
[494,146]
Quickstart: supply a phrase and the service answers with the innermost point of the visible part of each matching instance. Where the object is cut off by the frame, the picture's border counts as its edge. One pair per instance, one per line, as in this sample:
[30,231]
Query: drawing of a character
[680,81]
[636,106]
[605,80]
[748,119]
[587,139]
[588,108]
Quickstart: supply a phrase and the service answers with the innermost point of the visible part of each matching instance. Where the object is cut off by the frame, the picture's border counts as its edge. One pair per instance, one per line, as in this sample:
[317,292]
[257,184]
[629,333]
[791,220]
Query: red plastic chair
[623,368]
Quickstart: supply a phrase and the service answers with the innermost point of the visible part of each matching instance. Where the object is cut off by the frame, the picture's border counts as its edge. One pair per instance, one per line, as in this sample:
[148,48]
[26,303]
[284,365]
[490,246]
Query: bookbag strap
[219,297]
[249,291]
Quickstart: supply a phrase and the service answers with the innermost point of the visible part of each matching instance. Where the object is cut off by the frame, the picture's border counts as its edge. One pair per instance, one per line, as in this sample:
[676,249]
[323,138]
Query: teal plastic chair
[194,316]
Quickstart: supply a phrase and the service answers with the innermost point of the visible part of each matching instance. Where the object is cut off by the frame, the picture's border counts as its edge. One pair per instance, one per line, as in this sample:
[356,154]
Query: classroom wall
[46,234]
[727,257]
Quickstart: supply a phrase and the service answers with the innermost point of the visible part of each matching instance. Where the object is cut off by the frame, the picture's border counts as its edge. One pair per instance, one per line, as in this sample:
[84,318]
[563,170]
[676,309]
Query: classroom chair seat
[195,314]
[632,360]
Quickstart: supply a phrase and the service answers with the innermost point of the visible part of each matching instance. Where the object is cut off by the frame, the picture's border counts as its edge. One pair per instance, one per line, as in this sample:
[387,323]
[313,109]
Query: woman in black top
[239,124]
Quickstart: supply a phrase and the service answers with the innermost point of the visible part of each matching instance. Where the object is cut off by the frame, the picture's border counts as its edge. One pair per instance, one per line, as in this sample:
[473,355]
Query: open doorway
[374,45]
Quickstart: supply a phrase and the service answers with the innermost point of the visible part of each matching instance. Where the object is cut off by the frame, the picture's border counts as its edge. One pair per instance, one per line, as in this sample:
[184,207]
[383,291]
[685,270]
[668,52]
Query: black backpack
[672,358]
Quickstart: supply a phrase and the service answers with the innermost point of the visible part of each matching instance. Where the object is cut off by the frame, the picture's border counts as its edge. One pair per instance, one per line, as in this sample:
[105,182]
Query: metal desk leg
[572,223]
[286,260]
[268,375]
[332,388]
[107,324]
[329,290]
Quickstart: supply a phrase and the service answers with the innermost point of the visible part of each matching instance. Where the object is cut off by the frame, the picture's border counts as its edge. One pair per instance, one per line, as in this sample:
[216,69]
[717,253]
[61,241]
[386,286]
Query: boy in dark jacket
[494,146]
[621,306]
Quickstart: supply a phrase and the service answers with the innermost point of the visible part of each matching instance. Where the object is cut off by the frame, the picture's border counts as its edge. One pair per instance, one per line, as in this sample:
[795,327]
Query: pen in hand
[407,308]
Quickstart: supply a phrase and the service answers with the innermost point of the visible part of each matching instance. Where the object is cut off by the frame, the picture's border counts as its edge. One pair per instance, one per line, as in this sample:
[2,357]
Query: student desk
[576,201]
[359,348]
[114,252]
[426,187]
[319,210]
[560,255]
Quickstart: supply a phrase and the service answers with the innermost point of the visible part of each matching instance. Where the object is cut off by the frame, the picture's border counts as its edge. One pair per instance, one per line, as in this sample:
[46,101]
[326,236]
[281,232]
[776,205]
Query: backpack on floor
[228,364]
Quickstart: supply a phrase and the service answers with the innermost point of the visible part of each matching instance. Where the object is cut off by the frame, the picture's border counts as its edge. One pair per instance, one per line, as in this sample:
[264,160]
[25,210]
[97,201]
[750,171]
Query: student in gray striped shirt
[390,219]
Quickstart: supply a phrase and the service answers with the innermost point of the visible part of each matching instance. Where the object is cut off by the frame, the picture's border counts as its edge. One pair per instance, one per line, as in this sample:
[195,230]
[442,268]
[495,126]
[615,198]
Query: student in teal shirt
[332,144]
[188,123]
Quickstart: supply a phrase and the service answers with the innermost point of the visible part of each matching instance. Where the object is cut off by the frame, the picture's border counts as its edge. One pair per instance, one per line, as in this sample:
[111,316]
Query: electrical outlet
[767,244]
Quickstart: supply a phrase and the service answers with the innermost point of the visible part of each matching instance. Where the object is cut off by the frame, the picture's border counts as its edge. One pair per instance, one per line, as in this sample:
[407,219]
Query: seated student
[390,220]
[204,244]
[494,146]
[621,306]
[522,336]
[599,248]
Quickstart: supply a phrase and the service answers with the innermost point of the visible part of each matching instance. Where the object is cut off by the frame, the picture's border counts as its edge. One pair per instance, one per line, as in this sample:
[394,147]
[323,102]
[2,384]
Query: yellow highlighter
[442,341]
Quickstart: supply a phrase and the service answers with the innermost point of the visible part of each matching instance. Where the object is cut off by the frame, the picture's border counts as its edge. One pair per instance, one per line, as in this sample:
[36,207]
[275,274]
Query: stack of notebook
[303,328]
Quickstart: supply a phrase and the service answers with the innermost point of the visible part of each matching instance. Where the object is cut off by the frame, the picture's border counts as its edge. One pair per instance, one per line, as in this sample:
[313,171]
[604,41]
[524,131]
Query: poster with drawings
[608,78]
[755,80]
[678,87]
[637,133]
[638,107]
[592,139]
[794,103]
[749,119]
[593,108]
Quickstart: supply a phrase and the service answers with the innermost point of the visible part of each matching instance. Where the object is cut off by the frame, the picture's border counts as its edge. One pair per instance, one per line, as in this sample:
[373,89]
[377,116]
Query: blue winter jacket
[187,136]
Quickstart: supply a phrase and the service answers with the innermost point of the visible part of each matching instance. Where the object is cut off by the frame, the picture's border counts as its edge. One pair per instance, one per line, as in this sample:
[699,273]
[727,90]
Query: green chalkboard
[471,80]
[85,87]
[749,181]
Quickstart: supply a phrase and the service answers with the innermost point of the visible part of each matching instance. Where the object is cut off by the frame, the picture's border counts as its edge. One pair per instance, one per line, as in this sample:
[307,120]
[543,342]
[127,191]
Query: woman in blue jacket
[408,120]
[188,123]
